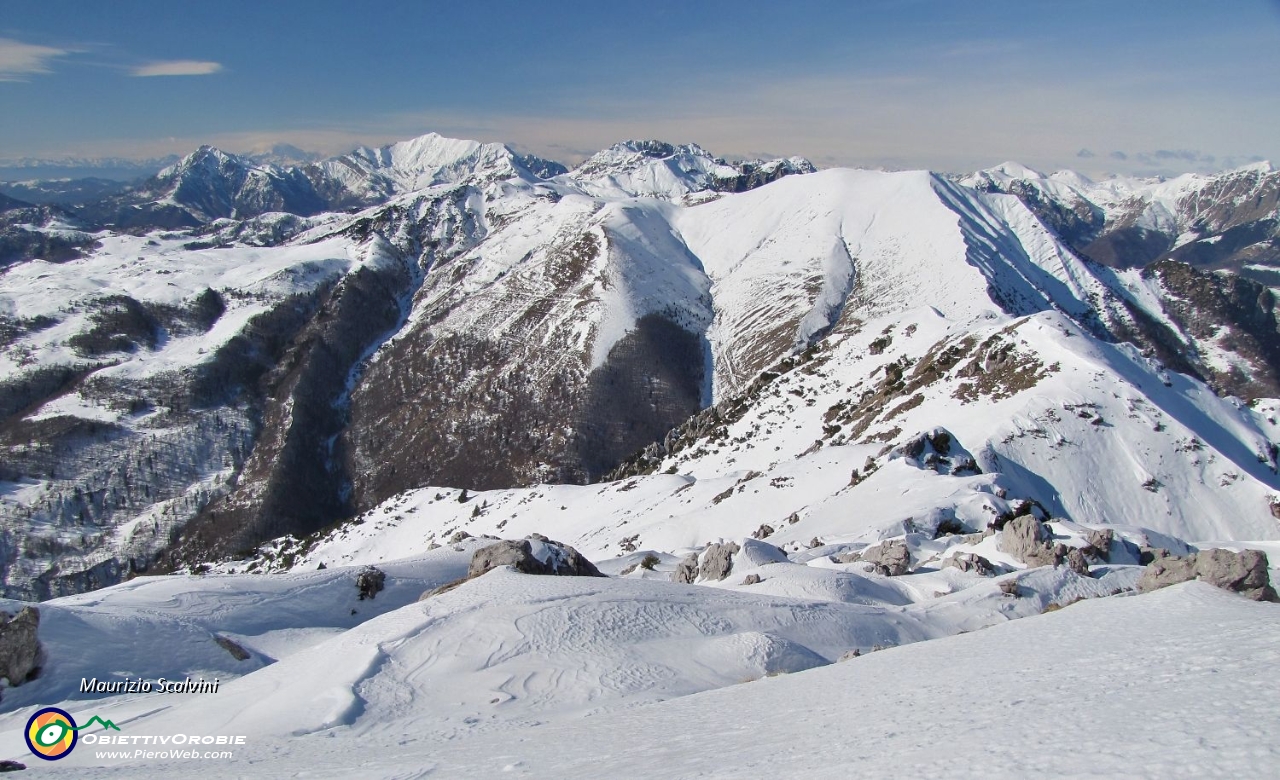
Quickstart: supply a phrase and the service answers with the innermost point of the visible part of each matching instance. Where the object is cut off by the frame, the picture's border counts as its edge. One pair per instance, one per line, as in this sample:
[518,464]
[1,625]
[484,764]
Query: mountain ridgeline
[234,351]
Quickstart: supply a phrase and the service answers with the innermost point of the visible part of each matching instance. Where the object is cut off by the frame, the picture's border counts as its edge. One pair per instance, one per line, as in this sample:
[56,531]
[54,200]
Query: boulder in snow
[1244,572]
[970,562]
[1100,541]
[370,581]
[687,570]
[534,555]
[891,558]
[20,653]
[717,560]
[1029,540]
[937,450]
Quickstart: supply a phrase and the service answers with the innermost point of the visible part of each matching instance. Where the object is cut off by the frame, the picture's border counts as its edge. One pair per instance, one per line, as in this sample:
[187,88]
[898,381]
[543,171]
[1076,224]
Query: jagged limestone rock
[751,579]
[20,651]
[934,450]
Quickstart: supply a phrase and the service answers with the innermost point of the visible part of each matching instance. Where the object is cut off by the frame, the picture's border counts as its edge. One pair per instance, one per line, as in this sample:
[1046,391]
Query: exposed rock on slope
[535,555]
[20,652]
[1244,572]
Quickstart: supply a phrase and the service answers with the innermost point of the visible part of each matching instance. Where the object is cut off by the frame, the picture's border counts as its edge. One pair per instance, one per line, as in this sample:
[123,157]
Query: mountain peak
[1016,170]
[205,156]
[432,159]
[1261,166]
[653,168]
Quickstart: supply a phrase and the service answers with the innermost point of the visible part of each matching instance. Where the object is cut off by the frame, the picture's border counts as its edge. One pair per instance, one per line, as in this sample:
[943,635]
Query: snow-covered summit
[658,169]
[430,160]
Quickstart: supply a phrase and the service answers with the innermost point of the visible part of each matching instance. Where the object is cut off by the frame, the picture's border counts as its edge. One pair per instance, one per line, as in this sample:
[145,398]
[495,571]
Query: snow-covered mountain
[428,161]
[1162,236]
[662,170]
[796,417]
[1221,221]
[210,184]
[493,321]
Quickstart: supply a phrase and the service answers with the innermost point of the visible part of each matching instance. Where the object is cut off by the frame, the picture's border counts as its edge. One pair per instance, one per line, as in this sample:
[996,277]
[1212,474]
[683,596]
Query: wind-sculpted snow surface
[502,651]
[516,673]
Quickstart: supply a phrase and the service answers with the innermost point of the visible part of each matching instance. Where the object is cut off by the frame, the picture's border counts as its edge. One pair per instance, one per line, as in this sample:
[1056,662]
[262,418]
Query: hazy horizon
[1145,88]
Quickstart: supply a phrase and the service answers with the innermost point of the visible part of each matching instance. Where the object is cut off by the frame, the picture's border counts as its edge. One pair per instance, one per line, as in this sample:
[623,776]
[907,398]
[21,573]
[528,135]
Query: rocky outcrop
[1100,541]
[969,562]
[686,571]
[937,450]
[1030,541]
[534,555]
[1074,558]
[891,559]
[1244,572]
[716,561]
[234,648]
[20,651]
[370,582]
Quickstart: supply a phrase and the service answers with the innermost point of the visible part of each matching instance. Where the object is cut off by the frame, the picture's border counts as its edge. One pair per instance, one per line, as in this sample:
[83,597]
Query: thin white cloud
[178,68]
[19,60]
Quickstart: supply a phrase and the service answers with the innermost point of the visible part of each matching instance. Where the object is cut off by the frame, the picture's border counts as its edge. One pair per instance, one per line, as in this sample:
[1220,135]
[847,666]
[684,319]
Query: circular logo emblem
[51,733]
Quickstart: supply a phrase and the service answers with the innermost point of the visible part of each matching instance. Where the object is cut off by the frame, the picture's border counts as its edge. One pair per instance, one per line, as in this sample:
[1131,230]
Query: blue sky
[1134,86]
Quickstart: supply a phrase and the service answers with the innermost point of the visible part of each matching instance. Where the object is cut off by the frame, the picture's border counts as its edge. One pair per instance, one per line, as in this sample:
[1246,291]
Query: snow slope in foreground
[1175,683]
